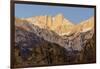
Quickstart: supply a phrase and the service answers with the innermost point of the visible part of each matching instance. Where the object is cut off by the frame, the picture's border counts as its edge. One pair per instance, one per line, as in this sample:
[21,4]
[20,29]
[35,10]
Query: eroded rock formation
[46,40]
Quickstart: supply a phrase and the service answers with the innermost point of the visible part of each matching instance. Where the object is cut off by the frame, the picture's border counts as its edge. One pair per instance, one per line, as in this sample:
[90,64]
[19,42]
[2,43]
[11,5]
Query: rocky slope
[60,25]
[58,29]
[44,40]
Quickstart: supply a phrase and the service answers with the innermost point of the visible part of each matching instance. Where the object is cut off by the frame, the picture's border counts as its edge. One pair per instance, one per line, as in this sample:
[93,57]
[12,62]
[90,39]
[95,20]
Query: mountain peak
[61,25]
[58,30]
[60,15]
[87,24]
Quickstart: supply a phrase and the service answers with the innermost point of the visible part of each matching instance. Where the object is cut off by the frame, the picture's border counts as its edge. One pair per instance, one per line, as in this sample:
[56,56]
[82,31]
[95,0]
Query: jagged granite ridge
[39,46]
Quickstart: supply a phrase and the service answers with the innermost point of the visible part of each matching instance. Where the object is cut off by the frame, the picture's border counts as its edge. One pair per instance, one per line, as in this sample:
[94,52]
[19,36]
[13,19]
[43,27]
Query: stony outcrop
[37,42]
[58,23]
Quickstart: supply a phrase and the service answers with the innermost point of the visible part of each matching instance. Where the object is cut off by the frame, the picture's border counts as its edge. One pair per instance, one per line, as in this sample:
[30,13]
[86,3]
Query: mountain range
[60,25]
[41,39]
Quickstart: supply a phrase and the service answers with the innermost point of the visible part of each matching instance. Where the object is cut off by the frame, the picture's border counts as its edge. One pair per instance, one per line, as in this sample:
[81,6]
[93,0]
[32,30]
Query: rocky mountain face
[47,40]
[57,24]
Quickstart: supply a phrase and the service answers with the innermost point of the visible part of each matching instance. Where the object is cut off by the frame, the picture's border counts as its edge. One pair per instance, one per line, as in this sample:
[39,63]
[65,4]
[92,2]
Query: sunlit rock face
[43,40]
[64,30]
[60,25]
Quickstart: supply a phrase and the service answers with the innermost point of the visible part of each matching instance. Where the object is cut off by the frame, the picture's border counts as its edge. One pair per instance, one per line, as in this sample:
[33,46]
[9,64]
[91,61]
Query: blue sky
[74,14]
